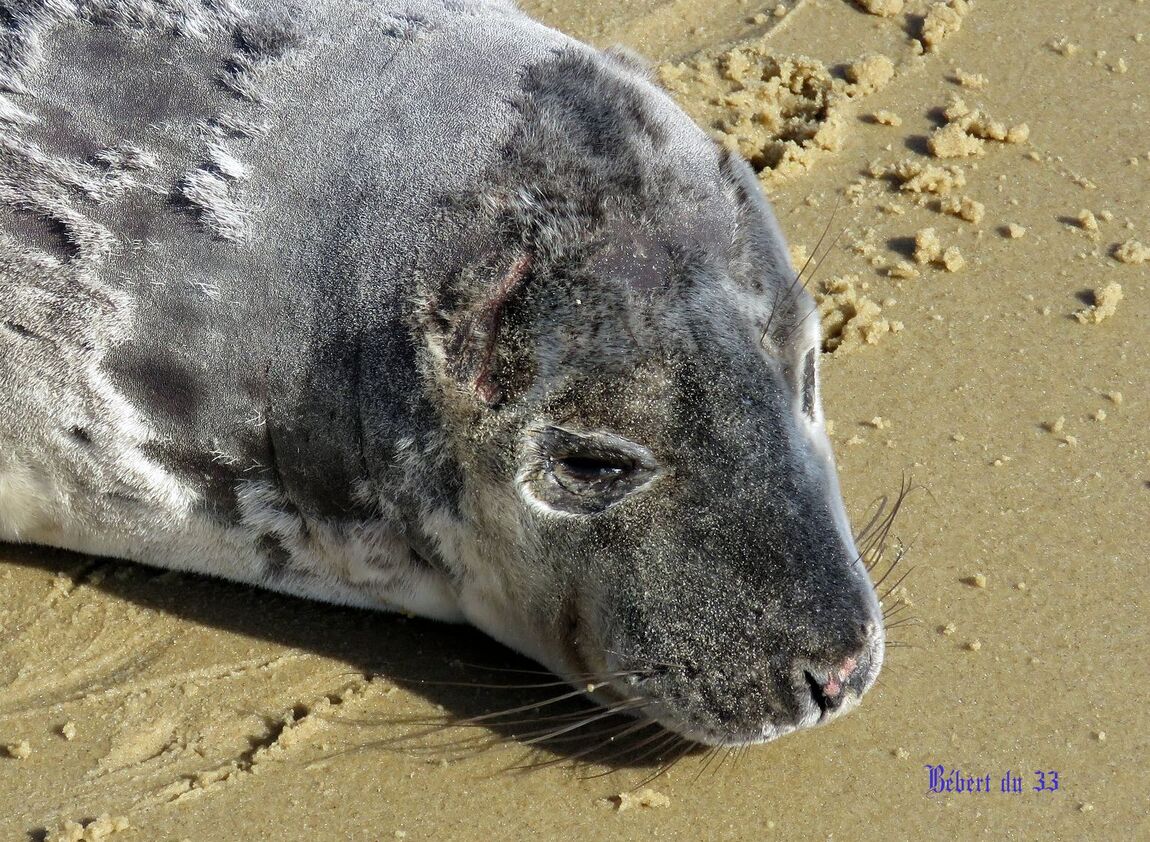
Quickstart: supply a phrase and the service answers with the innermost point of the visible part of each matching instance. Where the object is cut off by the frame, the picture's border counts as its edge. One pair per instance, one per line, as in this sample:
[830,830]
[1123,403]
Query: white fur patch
[25,498]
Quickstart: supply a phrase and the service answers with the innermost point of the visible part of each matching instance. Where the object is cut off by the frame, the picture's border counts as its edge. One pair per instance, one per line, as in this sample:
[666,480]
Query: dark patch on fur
[81,435]
[106,102]
[146,216]
[163,383]
[268,35]
[593,111]
[637,256]
[408,27]
[216,482]
[39,231]
[279,559]
[274,474]
[20,330]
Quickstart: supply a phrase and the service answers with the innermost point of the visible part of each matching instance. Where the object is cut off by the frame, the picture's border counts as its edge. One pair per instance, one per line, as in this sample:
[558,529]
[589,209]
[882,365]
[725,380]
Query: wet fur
[296,308]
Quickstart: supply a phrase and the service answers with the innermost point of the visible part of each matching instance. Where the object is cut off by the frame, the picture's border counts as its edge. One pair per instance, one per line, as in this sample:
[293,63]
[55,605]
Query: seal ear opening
[470,340]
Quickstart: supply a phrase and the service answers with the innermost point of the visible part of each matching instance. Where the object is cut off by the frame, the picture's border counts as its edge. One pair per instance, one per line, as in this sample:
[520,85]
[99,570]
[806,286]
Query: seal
[422,306]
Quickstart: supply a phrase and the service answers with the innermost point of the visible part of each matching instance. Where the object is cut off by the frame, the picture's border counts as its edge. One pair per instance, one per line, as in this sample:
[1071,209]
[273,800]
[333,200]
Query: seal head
[634,370]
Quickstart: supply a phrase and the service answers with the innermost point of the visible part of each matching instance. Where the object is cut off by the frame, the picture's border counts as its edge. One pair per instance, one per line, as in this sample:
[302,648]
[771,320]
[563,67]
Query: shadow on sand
[497,697]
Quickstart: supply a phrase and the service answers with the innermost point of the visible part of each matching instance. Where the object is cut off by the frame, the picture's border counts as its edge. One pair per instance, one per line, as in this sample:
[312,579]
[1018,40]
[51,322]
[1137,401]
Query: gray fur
[327,298]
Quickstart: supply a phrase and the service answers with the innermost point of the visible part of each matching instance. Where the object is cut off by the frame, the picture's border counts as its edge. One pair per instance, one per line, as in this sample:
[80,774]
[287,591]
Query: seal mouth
[808,695]
[590,668]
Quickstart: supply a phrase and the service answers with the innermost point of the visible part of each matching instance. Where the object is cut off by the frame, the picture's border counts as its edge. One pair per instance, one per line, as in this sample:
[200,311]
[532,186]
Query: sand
[142,705]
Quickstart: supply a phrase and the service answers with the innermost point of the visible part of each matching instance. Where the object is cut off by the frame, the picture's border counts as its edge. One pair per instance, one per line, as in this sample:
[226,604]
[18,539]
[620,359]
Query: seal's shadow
[455,667]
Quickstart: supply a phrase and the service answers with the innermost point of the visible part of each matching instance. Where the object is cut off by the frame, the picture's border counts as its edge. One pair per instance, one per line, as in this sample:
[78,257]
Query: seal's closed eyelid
[561,443]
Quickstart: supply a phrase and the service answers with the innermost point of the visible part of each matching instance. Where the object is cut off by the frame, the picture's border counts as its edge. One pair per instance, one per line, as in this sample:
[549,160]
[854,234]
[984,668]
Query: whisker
[609,731]
[569,758]
[627,750]
[814,307]
[544,737]
[712,753]
[661,739]
[573,677]
[731,751]
[865,531]
[893,565]
[438,727]
[897,582]
[634,752]
[484,686]
[687,748]
[876,560]
[882,530]
[554,700]
[912,621]
[787,294]
[884,522]
[898,609]
[486,741]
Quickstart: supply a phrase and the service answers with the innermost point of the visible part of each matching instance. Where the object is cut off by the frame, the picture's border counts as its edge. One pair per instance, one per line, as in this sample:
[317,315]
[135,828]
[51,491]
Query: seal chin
[765,732]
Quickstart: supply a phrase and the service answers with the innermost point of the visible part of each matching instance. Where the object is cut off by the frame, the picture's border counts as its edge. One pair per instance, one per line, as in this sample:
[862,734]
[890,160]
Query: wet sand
[194,709]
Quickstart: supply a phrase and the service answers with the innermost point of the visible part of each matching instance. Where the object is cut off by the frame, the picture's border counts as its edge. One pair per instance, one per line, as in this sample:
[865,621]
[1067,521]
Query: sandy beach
[972,183]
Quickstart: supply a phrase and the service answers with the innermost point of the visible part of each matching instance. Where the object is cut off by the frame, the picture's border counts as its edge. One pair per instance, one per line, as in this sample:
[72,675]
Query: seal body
[422,306]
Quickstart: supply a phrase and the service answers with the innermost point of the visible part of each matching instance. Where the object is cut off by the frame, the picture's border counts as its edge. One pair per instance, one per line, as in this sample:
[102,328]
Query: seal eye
[576,473]
[583,472]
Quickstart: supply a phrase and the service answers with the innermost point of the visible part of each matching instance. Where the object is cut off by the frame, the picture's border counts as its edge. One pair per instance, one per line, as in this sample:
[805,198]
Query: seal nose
[828,685]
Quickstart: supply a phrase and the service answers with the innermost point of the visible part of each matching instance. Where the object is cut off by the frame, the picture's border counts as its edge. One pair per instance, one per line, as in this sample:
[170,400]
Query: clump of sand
[942,20]
[850,319]
[963,207]
[967,130]
[914,176]
[1132,252]
[1105,304]
[928,248]
[1087,221]
[870,73]
[902,270]
[94,831]
[21,750]
[969,80]
[882,8]
[647,797]
[779,113]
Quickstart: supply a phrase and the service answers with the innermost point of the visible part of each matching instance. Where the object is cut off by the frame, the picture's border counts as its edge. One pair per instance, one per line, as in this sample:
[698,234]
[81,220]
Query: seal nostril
[816,692]
[828,688]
